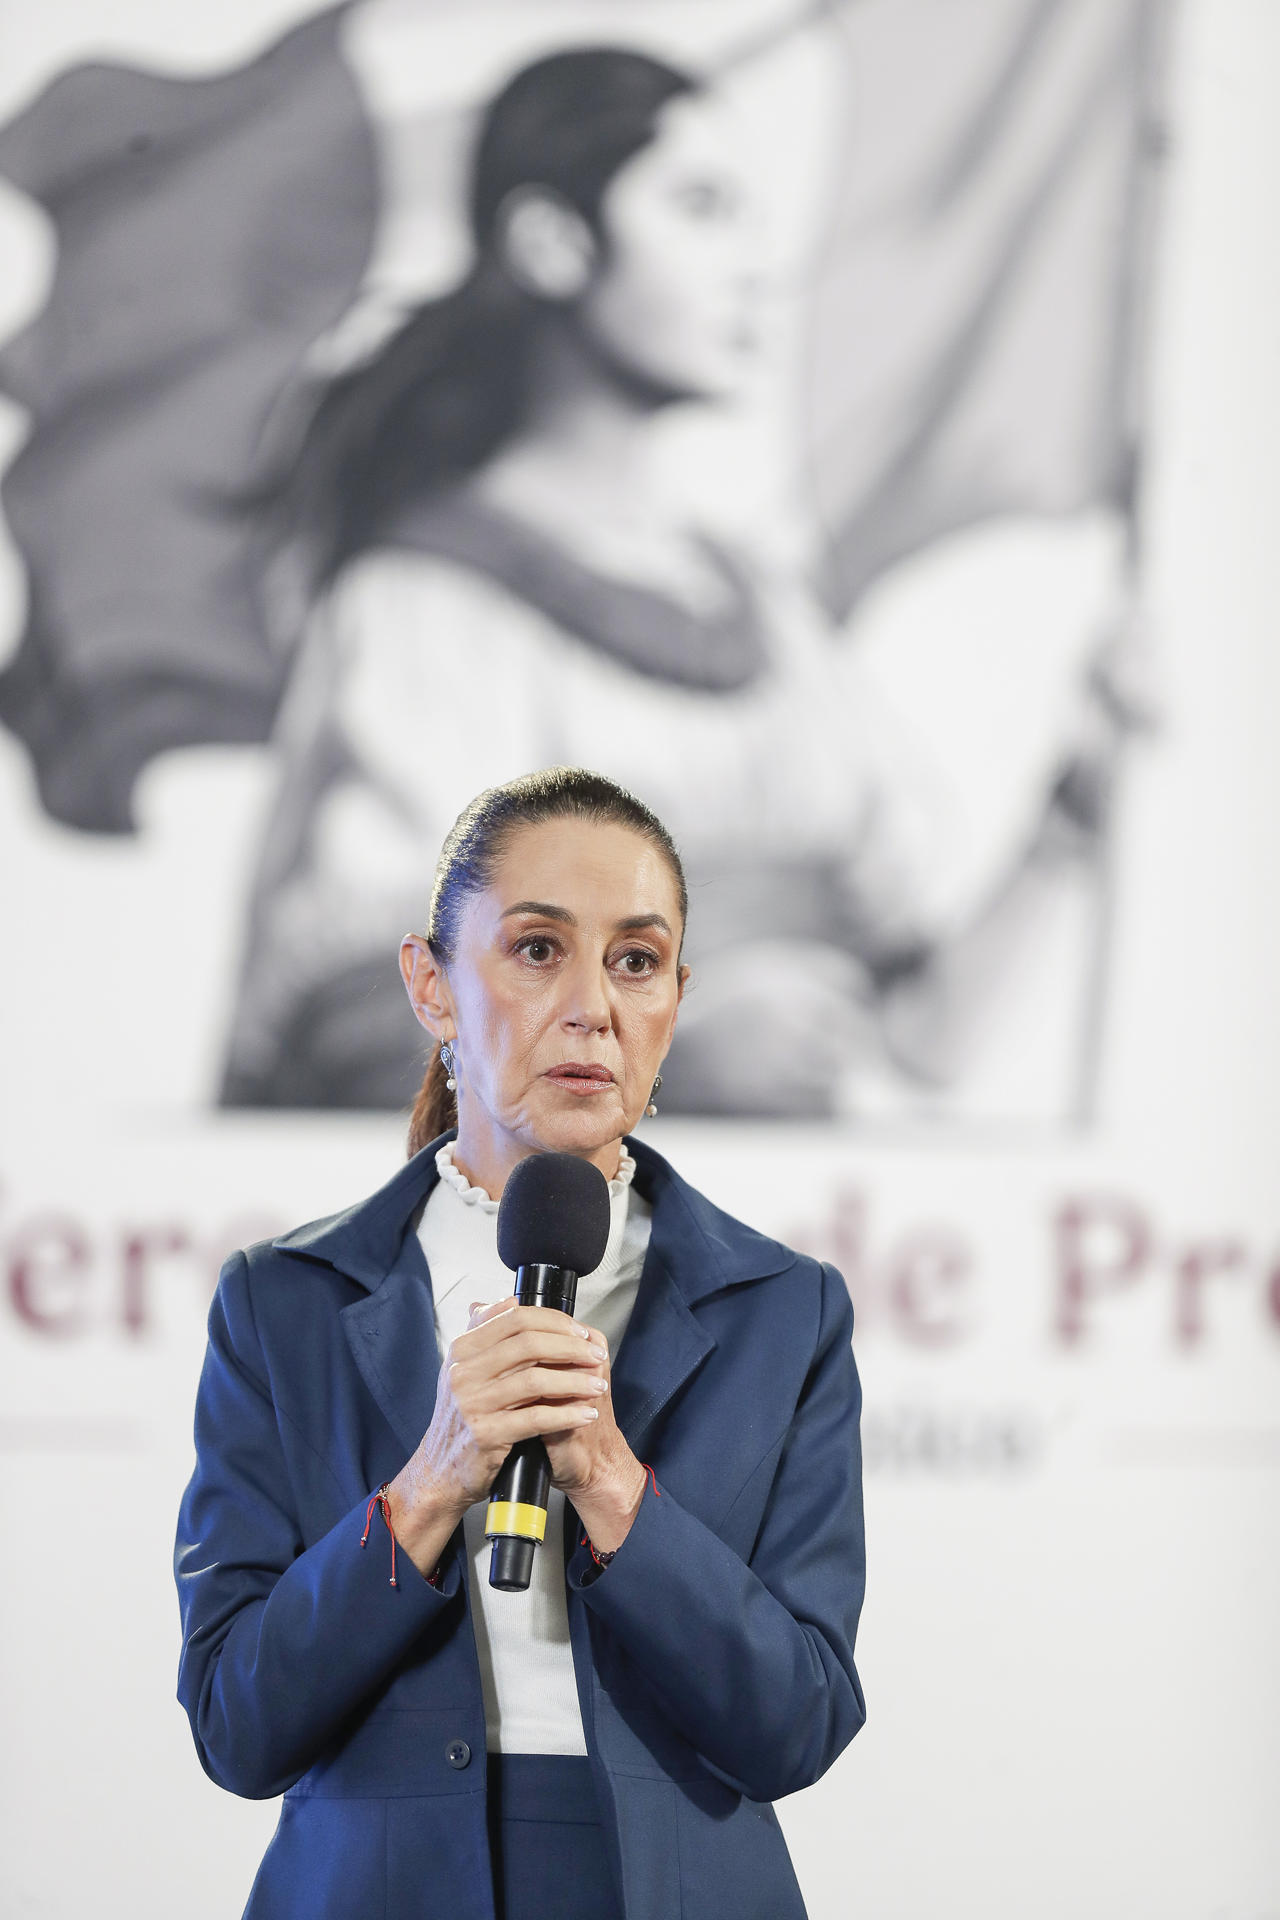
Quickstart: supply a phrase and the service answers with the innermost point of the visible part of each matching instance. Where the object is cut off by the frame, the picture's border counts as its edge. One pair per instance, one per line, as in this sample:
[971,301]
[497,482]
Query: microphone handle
[547,1287]
[516,1521]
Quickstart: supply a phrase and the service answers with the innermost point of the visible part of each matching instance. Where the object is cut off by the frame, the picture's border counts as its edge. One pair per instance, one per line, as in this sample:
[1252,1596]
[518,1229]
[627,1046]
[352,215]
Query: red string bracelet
[379,1499]
[603,1559]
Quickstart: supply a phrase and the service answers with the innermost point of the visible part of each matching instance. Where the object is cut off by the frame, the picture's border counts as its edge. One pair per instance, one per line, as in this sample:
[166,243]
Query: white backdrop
[1070,1345]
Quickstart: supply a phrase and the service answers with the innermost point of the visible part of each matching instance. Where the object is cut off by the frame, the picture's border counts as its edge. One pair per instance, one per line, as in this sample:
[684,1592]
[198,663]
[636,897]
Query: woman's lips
[581,1080]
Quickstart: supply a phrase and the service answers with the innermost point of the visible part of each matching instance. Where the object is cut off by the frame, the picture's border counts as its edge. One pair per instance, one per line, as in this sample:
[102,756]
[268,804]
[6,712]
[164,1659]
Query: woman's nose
[586,1000]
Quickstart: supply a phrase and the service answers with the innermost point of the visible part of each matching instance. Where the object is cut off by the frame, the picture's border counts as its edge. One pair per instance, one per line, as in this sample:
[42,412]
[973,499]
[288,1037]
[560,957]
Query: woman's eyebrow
[545,911]
[542,909]
[637,920]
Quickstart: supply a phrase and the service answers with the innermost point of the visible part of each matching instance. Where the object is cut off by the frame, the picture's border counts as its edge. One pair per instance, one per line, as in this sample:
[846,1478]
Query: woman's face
[561,996]
[673,304]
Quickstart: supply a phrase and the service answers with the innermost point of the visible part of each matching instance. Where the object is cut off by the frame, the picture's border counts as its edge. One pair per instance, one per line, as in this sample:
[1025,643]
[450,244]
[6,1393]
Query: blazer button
[458,1754]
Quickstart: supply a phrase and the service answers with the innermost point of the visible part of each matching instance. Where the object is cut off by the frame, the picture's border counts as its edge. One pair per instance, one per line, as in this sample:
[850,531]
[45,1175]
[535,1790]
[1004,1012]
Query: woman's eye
[536,948]
[639,963]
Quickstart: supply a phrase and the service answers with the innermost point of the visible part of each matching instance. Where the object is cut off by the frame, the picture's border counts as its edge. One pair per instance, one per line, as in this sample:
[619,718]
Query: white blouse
[526,1662]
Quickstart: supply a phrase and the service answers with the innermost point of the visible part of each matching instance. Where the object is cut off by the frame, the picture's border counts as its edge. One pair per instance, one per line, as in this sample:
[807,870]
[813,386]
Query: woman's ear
[682,981]
[547,247]
[427,986]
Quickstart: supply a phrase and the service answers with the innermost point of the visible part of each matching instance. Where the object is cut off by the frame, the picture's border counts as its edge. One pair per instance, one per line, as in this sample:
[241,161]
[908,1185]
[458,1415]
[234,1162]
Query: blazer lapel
[663,1346]
[695,1251]
[392,1330]
[392,1336]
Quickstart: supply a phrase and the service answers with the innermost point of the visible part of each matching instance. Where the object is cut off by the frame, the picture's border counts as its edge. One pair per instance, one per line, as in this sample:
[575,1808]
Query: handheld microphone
[553,1224]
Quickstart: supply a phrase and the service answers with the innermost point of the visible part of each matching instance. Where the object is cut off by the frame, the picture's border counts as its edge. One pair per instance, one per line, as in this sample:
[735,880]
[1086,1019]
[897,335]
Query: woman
[489,478]
[685,1653]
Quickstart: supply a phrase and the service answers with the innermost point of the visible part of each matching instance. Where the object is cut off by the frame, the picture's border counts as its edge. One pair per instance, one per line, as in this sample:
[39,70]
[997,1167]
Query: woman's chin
[579,1123]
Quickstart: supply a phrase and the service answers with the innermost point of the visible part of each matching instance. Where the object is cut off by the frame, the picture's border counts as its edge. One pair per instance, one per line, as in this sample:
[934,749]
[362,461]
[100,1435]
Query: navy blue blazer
[714,1656]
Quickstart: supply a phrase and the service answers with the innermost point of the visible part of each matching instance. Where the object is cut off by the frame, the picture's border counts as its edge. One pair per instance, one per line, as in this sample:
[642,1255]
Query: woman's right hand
[516,1371]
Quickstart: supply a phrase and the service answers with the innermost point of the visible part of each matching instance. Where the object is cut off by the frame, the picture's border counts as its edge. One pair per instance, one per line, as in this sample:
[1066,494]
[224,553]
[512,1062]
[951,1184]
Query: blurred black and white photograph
[679,403]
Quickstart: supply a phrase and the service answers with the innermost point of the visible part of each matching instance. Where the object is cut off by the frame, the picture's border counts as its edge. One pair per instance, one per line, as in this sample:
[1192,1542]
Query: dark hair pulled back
[477,841]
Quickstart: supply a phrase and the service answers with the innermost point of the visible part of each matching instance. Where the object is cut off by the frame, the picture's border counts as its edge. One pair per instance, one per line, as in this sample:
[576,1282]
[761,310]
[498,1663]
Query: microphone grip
[517,1518]
[516,1521]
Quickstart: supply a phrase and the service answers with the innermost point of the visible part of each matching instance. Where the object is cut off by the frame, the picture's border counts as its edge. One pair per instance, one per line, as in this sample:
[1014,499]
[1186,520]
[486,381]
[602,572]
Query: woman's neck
[487,1158]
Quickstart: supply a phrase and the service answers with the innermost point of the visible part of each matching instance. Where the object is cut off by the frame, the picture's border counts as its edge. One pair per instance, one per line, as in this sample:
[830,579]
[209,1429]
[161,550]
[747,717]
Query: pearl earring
[652,1108]
[450,1066]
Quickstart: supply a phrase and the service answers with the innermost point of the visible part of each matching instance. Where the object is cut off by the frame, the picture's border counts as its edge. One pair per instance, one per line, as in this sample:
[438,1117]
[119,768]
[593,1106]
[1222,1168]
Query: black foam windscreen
[554,1213]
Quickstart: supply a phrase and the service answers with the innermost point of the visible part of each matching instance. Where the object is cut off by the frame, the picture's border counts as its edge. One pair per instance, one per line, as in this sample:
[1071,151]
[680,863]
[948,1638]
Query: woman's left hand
[595,1468]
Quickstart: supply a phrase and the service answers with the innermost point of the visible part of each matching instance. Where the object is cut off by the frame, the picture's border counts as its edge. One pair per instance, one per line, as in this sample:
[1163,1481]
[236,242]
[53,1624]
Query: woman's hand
[515,1372]
[593,1465]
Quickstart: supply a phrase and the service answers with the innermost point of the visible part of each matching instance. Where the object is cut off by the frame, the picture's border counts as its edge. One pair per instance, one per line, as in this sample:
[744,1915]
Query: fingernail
[599,1386]
[591,1413]
[601,1353]
[584,1333]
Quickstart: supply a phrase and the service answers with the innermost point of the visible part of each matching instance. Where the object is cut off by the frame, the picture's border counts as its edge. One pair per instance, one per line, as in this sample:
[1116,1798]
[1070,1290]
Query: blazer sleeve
[282,1640]
[753,1662]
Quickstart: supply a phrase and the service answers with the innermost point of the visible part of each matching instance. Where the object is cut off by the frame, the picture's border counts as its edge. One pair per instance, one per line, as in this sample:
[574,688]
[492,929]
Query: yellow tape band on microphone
[514,1518]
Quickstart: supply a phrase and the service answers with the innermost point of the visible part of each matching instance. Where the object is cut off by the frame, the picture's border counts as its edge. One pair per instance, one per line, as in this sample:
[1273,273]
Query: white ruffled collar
[460,1234]
[477,1197]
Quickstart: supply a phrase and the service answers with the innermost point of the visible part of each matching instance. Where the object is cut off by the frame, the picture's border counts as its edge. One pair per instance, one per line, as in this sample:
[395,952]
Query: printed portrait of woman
[479,566]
